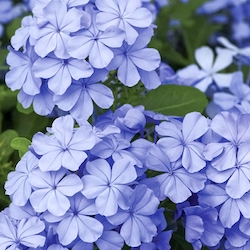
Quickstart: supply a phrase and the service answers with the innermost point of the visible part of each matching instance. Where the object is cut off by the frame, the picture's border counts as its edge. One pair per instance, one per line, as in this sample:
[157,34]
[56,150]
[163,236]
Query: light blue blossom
[25,233]
[182,142]
[95,44]
[18,184]
[61,72]
[65,148]
[136,224]
[54,34]
[78,221]
[125,15]
[52,190]
[109,186]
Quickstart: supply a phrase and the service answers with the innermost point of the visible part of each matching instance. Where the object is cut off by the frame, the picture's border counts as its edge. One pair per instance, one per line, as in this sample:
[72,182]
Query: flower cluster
[110,184]
[84,185]
[62,54]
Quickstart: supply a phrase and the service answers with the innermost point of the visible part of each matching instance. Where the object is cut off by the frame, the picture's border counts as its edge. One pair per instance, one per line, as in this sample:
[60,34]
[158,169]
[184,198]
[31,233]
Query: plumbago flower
[26,233]
[202,226]
[85,198]
[65,48]
[18,184]
[65,147]
[176,182]
[209,72]
[109,186]
[137,226]
[180,142]
[123,14]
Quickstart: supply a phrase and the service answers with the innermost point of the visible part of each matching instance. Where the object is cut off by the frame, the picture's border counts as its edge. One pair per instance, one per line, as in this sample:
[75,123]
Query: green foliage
[177,43]
[28,124]
[7,98]
[174,100]
[21,109]
[5,164]
[21,144]
[13,26]
[3,55]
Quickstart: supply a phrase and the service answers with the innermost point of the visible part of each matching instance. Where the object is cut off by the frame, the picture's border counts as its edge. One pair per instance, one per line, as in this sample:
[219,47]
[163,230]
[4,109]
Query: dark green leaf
[179,243]
[3,54]
[174,100]
[21,144]
[28,124]
[7,98]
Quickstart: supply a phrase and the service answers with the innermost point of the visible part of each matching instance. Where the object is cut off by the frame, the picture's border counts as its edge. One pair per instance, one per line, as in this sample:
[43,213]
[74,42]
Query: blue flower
[66,147]
[209,68]
[123,14]
[95,44]
[21,75]
[136,224]
[230,210]
[78,98]
[240,92]
[109,186]
[77,222]
[51,190]
[235,131]
[18,183]
[61,72]
[176,182]
[181,141]
[25,233]
[54,33]
[202,226]
[42,102]
[136,62]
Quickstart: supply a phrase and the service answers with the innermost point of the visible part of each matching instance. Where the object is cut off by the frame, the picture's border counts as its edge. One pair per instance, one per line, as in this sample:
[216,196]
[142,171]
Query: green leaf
[28,124]
[13,26]
[21,144]
[174,100]
[7,98]
[5,149]
[3,54]
[178,243]
[21,109]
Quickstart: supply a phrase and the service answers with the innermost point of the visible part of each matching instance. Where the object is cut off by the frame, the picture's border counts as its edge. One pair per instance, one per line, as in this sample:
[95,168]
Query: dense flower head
[92,185]
[128,178]
[78,186]
[63,50]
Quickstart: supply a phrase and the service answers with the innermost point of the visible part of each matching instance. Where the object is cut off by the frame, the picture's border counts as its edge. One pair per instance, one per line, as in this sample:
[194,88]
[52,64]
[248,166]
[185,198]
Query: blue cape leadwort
[69,44]
[81,186]
[110,197]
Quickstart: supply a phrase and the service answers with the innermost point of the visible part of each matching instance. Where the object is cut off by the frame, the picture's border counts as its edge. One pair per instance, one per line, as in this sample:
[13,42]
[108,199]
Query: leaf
[21,144]
[13,26]
[3,53]
[5,140]
[174,100]
[7,98]
[178,240]
[28,124]
[21,109]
